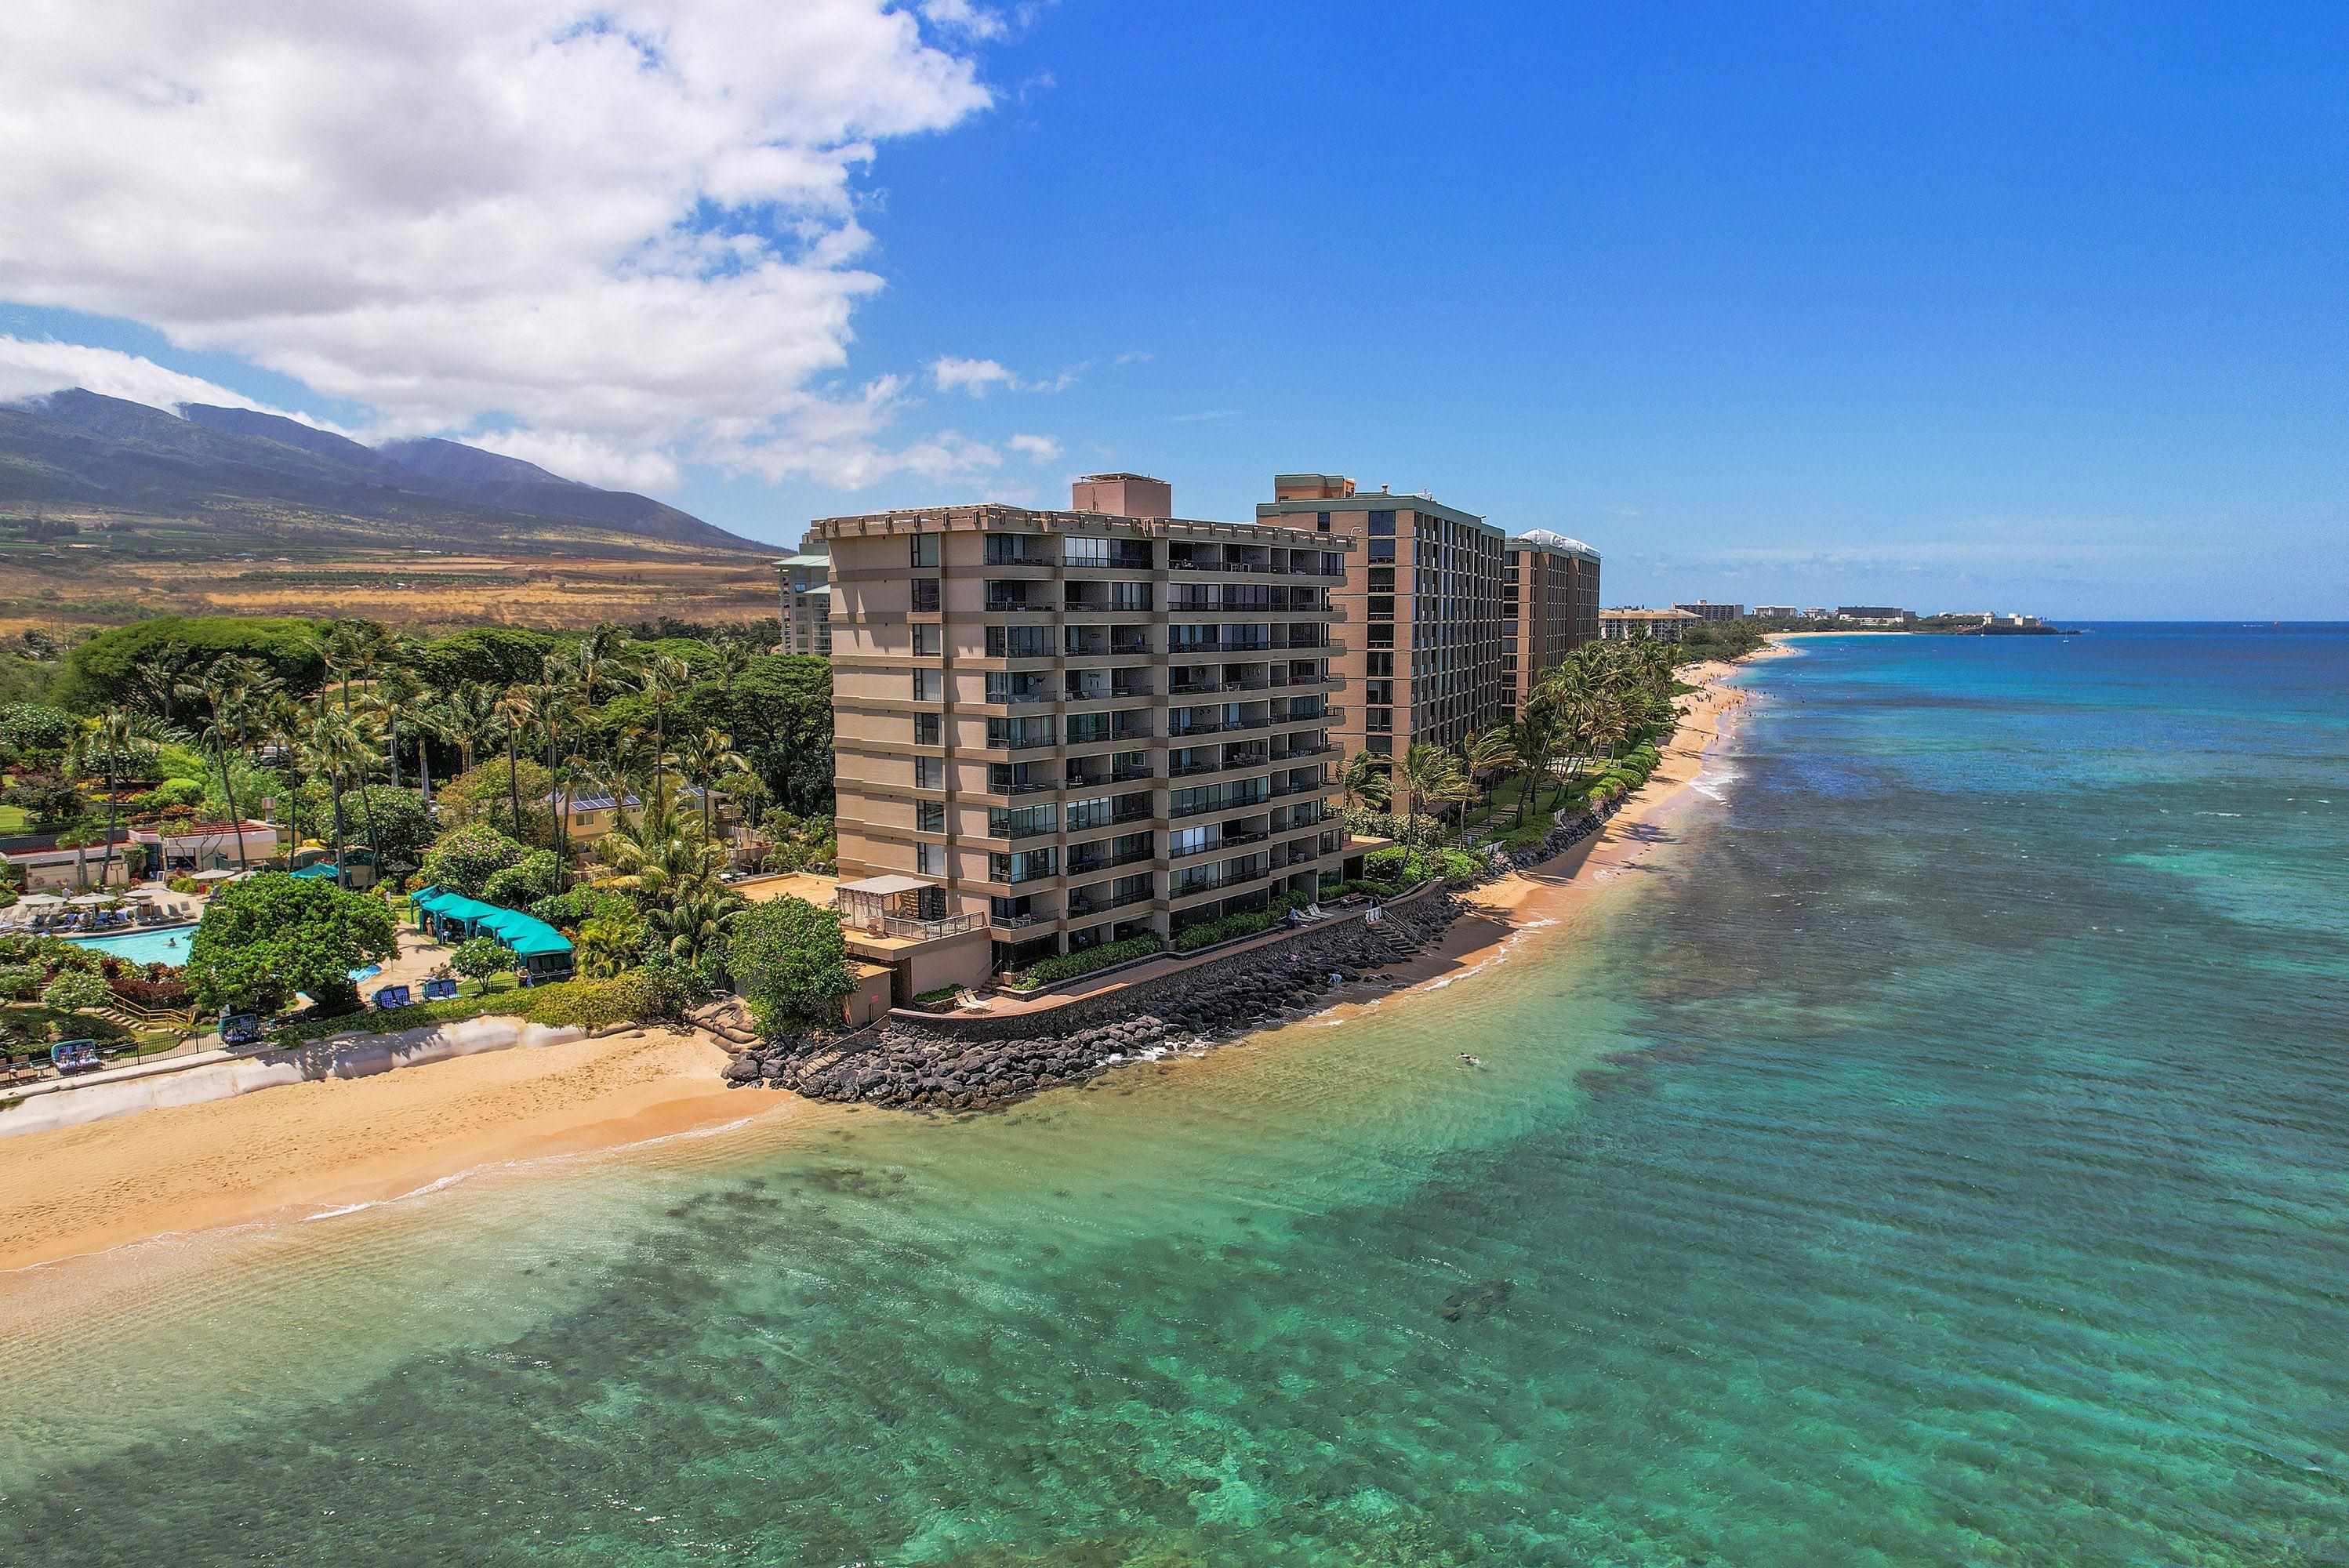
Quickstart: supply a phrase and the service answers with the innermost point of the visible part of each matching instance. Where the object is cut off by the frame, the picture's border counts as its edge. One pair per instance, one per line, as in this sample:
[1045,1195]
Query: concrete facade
[1706,610]
[1550,596]
[1082,725]
[1425,585]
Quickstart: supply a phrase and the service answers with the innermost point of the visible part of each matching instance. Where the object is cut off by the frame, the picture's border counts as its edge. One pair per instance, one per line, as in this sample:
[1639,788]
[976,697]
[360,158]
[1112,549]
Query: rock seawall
[978,1064]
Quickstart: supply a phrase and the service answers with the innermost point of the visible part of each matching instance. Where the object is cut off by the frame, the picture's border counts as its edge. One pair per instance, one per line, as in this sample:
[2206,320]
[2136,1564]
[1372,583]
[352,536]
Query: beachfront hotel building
[1706,610]
[1422,600]
[1626,625]
[805,583]
[1071,727]
[1550,600]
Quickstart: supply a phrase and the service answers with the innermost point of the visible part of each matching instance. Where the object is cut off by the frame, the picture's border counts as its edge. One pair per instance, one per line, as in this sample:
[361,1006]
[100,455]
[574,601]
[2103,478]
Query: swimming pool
[166,946]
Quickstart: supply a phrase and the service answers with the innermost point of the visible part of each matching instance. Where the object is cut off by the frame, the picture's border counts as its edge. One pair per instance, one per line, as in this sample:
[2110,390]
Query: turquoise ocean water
[1942,1158]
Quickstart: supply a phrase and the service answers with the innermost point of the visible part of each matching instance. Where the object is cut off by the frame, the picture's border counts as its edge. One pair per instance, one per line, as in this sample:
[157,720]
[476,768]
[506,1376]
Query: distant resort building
[1777,612]
[1705,610]
[1874,615]
[805,581]
[1629,625]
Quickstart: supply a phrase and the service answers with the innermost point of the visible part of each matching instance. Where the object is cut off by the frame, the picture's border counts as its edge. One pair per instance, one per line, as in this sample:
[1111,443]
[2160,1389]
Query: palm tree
[555,701]
[701,757]
[695,921]
[1368,782]
[515,714]
[660,678]
[103,744]
[1432,776]
[232,687]
[1534,739]
[396,692]
[472,710]
[345,745]
[1489,753]
[428,720]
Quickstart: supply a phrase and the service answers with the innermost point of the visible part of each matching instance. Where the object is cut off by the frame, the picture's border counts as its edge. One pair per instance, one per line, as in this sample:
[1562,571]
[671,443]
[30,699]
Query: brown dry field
[542,589]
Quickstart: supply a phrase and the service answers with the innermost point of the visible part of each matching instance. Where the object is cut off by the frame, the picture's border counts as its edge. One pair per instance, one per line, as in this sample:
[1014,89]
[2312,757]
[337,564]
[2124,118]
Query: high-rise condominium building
[1080,726]
[1550,597]
[1422,601]
[1706,610]
[806,584]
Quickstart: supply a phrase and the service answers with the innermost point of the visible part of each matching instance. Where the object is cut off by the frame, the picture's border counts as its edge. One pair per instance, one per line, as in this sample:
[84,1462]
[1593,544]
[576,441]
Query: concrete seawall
[339,1057]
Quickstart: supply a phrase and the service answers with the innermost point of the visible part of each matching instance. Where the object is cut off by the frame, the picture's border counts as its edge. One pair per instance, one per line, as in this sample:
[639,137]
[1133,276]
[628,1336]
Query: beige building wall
[1426,625]
[1083,726]
[1551,601]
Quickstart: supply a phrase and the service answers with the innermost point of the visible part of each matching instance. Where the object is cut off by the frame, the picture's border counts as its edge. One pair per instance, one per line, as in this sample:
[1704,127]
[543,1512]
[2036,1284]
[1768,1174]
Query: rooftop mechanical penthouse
[1079,725]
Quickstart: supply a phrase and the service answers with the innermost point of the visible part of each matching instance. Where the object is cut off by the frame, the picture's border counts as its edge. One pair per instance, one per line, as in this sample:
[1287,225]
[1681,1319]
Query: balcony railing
[1081,904]
[1082,865]
[1014,921]
[921,930]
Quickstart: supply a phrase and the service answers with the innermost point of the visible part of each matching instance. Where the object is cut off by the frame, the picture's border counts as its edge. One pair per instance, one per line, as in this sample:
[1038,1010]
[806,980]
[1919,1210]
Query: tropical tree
[1534,739]
[107,744]
[701,757]
[791,961]
[1493,752]
[1368,782]
[1432,776]
[471,708]
[515,715]
[483,958]
[233,688]
[263,938]
[660,678]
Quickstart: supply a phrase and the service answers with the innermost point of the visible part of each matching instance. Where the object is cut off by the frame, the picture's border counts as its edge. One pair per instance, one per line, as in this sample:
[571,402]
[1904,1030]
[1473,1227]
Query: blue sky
[1985,306]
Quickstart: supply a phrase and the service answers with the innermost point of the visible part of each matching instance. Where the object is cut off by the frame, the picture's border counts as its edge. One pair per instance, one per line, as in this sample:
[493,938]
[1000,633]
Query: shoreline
[297,1150]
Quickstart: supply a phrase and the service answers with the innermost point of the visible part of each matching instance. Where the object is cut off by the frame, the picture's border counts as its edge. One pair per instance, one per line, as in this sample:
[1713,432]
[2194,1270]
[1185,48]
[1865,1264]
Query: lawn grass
[13,820]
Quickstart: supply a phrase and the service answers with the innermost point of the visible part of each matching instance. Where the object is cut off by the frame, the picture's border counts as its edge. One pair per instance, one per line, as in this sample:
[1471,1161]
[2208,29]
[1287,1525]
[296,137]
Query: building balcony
[1086,903]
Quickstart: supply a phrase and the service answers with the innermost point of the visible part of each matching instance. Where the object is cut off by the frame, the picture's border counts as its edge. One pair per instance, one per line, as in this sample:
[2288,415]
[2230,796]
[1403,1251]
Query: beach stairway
[1398,941]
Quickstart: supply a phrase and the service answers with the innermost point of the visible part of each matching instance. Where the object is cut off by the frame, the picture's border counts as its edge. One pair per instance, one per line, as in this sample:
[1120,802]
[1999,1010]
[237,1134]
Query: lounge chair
[441,990]
[392,997]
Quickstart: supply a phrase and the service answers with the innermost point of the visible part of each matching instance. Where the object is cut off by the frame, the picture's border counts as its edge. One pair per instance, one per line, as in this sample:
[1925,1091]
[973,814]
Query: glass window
[1382,579]
[929,685]
[930,815]
[926,592]
[1382,550]
[926,729]
[930,859]
[1381,606]
[929,773]
[1321,523]
[929,640]
[926,549]
[1382,524]
[1378,745]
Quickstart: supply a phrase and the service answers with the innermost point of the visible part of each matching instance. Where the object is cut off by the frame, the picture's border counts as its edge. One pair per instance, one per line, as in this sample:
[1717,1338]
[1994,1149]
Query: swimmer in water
[1470,1061]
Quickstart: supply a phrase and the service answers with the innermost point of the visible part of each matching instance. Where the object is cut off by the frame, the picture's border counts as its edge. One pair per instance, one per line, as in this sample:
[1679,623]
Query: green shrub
[20,982]
[1459,865]
[1207,932]
[1069,966]
[630,998]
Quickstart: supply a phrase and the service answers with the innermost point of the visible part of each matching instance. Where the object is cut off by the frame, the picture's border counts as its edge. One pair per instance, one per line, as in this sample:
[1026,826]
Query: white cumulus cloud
[972,375]
[1042,448]
[599,228]
[32,366]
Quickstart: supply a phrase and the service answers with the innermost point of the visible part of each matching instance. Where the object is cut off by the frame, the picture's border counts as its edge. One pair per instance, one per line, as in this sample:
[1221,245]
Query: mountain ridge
[248,471]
